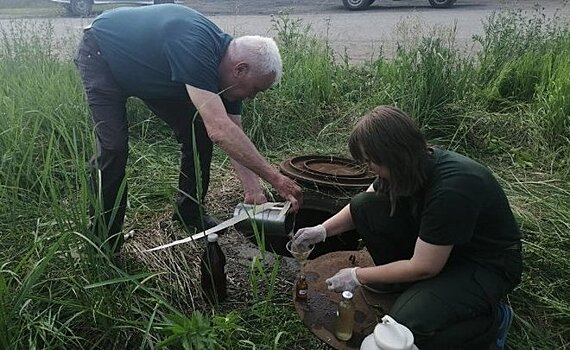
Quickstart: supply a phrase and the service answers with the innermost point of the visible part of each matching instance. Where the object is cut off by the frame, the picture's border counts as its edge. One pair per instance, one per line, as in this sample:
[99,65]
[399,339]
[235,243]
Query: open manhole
[328,183]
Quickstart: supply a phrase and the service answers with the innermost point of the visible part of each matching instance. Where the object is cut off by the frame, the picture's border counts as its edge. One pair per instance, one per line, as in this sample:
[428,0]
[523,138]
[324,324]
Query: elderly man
[194,77]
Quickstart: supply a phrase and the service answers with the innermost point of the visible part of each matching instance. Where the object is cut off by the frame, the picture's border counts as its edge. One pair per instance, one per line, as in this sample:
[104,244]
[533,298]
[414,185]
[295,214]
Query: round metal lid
[328,171]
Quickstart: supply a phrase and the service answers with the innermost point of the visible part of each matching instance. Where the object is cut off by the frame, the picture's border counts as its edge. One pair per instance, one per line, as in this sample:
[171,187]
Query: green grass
[508,107]
[29,8]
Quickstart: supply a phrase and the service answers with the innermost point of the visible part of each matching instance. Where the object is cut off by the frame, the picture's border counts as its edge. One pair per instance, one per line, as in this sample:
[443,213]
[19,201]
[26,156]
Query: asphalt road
[328,7]
[359,34]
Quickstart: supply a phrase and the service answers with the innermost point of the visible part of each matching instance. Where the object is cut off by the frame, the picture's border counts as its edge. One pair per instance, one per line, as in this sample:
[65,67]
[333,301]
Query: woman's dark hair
[387,136]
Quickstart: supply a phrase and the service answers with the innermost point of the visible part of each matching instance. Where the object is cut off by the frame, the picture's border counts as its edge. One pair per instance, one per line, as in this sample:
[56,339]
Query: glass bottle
[301,288]
[213,270]
[345,317]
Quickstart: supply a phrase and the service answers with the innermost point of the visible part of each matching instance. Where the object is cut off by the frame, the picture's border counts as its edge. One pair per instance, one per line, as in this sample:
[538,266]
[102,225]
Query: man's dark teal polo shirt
[153,51]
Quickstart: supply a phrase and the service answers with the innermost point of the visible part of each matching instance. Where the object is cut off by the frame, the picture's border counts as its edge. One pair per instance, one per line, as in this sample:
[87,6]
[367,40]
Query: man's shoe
[195,225]
[506,318]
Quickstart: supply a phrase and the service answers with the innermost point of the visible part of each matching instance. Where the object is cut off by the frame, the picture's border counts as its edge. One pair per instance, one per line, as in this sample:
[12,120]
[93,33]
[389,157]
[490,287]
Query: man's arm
[253,194]
[226,134]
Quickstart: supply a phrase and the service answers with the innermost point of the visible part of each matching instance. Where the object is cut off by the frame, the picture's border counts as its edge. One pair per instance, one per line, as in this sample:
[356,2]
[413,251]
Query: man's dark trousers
[107,103]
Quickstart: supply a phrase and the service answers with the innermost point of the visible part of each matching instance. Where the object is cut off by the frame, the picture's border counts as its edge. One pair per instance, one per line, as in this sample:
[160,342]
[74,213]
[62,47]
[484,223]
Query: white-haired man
[193,76]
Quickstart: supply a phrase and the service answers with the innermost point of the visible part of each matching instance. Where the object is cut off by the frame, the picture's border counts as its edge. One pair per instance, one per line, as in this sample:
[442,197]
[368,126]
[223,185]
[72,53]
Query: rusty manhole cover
[328,171]
[318,312]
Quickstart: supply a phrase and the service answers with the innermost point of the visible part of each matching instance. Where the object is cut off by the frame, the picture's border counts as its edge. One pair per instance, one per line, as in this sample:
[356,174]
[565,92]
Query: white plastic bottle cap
[347,294]
[212,237]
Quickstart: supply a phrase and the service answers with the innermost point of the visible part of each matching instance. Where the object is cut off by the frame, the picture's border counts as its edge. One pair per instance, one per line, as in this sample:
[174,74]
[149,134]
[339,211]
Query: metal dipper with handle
[258,213]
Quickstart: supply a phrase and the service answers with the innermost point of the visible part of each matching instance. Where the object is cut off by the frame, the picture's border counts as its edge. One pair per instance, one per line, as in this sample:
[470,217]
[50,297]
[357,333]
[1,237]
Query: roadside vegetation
[29,8]
[507,106]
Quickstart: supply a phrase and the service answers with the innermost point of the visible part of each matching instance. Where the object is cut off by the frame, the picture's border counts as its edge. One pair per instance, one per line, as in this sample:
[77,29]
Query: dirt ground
[179,266]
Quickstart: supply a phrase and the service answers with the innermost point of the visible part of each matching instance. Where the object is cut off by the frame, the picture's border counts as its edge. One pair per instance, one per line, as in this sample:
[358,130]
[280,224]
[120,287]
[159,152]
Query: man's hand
[343,280]
[289,190]
[310,235]
[254,198]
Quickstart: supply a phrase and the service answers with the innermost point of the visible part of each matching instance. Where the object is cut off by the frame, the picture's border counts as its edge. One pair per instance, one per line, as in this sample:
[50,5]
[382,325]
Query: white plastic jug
[389,335]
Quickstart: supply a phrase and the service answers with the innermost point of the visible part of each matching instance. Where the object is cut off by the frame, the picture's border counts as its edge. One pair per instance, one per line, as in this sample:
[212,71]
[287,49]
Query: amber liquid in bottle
[213,269]
[301,288]
[345,317]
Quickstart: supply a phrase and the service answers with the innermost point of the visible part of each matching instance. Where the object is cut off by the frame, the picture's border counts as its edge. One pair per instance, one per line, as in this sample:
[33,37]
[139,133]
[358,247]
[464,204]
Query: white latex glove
[310,235]
[343,280]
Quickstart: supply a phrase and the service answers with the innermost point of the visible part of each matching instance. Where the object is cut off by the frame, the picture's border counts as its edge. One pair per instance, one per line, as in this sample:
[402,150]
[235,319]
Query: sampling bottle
[345,317]
[213,269]
[301,288]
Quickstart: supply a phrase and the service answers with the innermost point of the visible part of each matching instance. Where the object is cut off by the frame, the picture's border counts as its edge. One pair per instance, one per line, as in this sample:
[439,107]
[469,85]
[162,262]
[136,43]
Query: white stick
[230,222]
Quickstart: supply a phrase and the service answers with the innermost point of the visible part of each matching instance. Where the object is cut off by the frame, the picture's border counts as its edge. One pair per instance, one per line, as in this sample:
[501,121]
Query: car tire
[356,5]
[442,3]
[81,8]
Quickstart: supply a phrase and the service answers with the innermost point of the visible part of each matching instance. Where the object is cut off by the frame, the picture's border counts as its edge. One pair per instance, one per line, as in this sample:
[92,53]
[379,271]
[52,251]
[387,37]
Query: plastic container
[389,335]
[271,221]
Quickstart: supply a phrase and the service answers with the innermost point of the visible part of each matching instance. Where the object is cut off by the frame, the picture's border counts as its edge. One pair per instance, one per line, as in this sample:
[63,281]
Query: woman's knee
[438,322]
[422,312]
[365,203]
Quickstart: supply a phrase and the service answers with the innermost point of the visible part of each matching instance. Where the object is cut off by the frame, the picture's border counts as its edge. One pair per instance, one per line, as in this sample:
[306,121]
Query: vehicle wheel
[158,2]
[81,8]
[442,3]
[356,4]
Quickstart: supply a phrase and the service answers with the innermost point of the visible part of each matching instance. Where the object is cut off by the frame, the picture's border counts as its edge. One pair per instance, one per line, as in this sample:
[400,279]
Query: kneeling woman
[438,226]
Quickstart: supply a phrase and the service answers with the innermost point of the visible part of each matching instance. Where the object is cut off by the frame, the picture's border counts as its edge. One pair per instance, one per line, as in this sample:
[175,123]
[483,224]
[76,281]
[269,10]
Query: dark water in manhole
[307,217]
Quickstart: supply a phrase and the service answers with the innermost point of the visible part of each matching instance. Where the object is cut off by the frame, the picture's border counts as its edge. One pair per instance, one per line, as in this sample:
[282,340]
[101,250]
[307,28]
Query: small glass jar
[345,317]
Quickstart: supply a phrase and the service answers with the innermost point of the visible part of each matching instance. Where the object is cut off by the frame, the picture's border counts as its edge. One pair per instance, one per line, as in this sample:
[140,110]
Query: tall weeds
[508,106]
[523,67]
